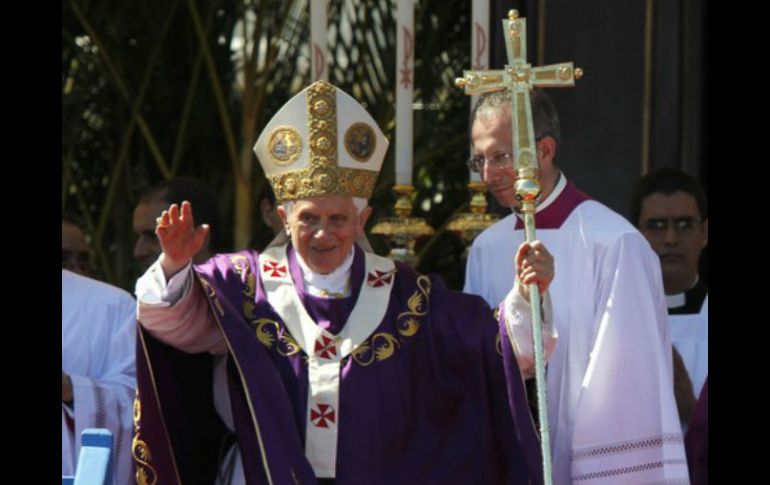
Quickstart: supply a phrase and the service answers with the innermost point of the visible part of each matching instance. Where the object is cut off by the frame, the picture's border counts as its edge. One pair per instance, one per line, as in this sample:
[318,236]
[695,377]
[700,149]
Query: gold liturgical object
[519,77]
[468,225]
[403,231]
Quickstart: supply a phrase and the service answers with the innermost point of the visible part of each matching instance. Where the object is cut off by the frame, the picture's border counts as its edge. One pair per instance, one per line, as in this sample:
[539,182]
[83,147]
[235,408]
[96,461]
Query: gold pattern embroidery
[145,473]
[287,345]
[418,307]
[212,295]
[248,309]
[240,264]
[318,180]
[323,175]
[251,285]
[322,125]
[385,350]
[383,345]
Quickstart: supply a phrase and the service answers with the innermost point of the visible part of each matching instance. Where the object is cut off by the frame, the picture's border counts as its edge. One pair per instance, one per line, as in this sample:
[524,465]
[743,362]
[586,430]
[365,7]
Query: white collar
[678,299]
[333,285]
[561,183]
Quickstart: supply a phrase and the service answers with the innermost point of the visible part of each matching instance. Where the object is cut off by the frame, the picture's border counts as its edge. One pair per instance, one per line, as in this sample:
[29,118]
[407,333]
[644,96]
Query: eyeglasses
[476,164]
[681,225]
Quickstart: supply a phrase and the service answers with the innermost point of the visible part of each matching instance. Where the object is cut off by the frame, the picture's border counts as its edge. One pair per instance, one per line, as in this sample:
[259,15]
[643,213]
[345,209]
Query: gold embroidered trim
[383,345]
[145,473]
[322,125]
[249,282]
[320,180]
[212,295]
[268,331]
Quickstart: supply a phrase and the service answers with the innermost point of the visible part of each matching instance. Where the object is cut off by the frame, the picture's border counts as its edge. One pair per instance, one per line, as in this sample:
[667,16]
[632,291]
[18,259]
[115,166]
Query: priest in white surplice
[98,380]
[611,407]
[669,207]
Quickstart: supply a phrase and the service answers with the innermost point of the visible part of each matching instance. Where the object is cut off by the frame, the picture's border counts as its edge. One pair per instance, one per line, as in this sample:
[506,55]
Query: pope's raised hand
[179,239]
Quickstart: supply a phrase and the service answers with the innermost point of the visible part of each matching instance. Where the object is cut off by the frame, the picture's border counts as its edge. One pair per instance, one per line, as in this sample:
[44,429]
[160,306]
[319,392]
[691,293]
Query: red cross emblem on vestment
[378,278]
[325,347]
[320,417]
[273,269]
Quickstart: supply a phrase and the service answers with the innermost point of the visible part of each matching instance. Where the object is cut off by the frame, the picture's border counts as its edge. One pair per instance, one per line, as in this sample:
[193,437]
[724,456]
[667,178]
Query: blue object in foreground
[95,459]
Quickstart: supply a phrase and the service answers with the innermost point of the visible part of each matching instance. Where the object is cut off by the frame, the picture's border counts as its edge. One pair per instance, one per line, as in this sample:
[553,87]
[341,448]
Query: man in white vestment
[669,208]
[98,379]
[611,409]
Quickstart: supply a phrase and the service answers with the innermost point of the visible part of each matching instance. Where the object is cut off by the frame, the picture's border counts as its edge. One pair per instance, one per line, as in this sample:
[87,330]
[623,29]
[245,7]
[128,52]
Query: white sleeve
[177,312]
[518,321]
[626,416]
[105,399]
[152,290]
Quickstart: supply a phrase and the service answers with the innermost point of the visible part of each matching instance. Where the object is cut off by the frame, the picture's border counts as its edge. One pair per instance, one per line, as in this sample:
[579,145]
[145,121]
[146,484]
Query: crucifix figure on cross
[519,77]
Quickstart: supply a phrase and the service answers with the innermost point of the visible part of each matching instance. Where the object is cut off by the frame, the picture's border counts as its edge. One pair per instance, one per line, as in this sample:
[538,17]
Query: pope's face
[323,229]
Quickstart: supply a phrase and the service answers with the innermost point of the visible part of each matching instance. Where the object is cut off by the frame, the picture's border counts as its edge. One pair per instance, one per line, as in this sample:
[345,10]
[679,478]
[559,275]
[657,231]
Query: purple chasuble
[329,313]
[432,395]
[553,216]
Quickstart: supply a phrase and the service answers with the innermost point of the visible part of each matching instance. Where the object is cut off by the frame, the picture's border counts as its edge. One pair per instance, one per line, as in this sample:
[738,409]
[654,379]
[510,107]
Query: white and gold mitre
[321,142]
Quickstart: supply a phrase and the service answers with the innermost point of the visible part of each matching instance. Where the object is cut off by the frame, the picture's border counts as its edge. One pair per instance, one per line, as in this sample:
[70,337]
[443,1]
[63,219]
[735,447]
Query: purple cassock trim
[553,216]
[329,313]
[176,414]
[696,441]
[265,402]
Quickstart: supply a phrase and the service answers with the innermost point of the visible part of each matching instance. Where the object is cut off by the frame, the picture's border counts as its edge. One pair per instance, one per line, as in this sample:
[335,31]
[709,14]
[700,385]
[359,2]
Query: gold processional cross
[519,77]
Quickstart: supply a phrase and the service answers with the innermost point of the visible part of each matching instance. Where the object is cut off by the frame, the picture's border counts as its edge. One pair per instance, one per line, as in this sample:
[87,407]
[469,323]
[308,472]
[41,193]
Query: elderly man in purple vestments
[331,364]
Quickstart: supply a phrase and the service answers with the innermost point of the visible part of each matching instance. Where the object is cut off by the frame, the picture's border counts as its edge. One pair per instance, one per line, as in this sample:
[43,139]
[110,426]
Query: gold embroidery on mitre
[320,173]
[360,142]
[322,124]
[285,145]
[312,181]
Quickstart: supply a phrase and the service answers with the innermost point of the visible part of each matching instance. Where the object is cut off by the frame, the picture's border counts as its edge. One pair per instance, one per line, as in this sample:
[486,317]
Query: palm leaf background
[152,90]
